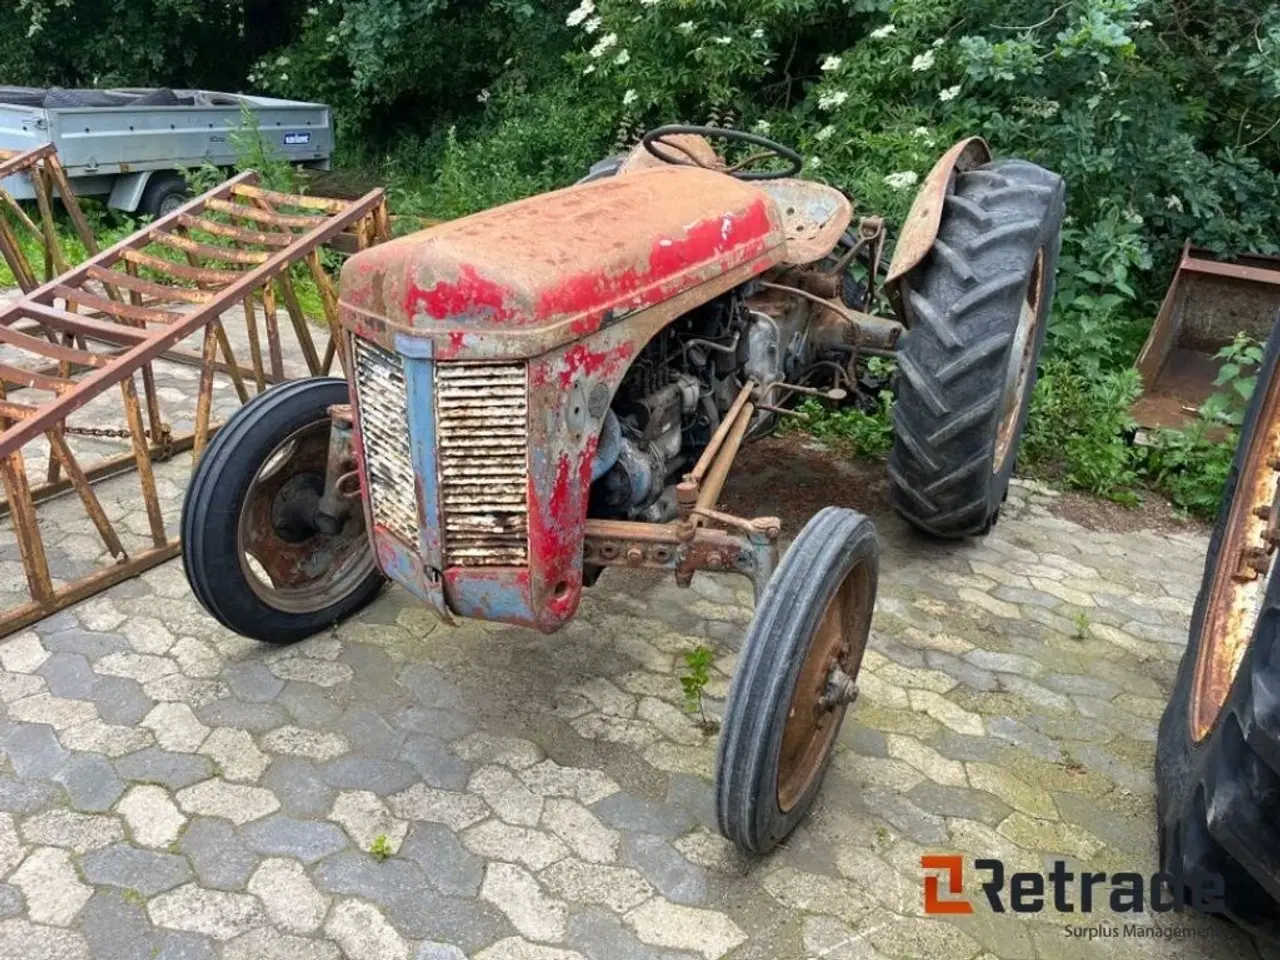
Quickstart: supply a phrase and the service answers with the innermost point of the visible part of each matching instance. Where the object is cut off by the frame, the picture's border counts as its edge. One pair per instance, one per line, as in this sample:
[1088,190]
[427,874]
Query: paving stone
[516,893]
[66,674]
[175,727]
[33,749]
[495,840]
[27,796]
[252,681]
[927,761]
[579,828]
[78,832]
[382,777]
[904,815]
[1020,735]
[364,934]
[297,785]
[16,686]
[266,943]
[469,924]
[437,764]
[84,642]
[814,893]
[121,701]
[213,913]
[354,873]
[456,810]
[317,672]
[108,739]
[169,945]
[10,902]
[153,819]
[517,948]
[232,801]
[312,744]
[618,888]
[598,935]
[674,877]
[24,653]
[448,867]
[90,782]
[58,712]
[50,886]
[371,735]
[1013,791]
[259,718]
[145,871]
[283,836]
[20,940]
[509,798]
[624,811]
[958,802]
[291,900]
[443,725]
[513,752]
[117,927]
[438,951]
[677,927]
[311,706]
[171,770]
[218,855]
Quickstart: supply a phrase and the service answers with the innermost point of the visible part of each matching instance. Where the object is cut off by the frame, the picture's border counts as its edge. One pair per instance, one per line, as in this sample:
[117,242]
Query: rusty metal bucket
[1208,302]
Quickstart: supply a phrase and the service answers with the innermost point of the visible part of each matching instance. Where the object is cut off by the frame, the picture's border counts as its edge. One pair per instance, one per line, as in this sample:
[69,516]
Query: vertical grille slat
[384,428]
[483,422]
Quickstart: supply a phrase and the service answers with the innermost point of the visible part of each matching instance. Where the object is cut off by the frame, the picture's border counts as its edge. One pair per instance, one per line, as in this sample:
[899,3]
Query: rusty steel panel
[523,279]
[920,229]
[383,398]
[482,421]
[65,347]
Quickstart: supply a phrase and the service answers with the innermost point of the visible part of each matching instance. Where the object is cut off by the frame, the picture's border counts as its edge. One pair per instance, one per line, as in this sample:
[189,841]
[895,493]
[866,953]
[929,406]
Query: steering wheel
[677,155]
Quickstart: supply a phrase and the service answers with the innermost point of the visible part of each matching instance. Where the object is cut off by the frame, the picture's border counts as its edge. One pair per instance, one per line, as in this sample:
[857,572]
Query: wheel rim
[1245,565]
[287,563]
[818,705]
[170,204]
[1021,364]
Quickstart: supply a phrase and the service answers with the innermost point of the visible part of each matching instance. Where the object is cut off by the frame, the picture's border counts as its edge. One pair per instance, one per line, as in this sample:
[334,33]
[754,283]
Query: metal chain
[164,441]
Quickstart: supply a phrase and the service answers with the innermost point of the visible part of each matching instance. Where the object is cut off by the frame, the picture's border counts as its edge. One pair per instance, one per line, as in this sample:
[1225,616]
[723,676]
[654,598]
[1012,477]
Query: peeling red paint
[581,358]
[471,296]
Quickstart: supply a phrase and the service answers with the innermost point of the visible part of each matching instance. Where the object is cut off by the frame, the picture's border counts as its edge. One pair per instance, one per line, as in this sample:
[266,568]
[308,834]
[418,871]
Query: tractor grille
[384,428]
[483,418]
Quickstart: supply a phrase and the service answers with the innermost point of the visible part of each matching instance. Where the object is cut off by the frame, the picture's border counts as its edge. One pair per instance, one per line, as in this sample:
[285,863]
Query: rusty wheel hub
[825,687]
[288,562]
[1246,563]
[1021,364]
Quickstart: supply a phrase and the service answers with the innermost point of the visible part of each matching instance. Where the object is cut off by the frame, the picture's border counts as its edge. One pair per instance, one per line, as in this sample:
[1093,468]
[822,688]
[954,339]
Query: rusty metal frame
[106,322]
[1156,359]
[46,174]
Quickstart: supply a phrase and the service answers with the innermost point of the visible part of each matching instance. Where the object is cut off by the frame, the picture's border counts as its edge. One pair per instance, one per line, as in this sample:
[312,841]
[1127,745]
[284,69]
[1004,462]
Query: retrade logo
[952,868]
[1064,891]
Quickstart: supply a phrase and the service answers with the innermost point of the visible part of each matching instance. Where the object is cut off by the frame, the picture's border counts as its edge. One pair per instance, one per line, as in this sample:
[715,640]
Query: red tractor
[560,385]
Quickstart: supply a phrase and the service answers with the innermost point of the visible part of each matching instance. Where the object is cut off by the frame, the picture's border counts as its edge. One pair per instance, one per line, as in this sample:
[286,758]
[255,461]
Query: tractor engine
[678,389]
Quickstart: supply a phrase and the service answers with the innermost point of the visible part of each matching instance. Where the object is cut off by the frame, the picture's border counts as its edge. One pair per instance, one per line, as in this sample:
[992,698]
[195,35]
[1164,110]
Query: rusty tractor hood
[524,278]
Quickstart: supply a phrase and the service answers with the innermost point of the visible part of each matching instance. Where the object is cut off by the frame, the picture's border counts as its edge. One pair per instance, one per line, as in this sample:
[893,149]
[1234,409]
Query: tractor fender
[921,227]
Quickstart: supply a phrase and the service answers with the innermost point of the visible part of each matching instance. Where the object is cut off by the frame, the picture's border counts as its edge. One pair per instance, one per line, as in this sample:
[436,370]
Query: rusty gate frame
[260,249]
[42,166]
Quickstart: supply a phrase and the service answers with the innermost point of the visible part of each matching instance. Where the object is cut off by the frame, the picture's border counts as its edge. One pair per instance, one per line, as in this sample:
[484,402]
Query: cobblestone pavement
[403,790]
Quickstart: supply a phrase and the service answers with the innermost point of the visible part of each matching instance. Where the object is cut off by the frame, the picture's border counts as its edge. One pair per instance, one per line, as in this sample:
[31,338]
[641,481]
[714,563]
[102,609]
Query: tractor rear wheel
[1218,752]
[251,550]
[976,310]
[795,679]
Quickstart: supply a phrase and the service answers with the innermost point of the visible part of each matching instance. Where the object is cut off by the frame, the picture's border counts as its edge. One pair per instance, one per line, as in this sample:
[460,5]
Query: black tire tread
[823,552]
[963,304]
[1216,801]
[212,482]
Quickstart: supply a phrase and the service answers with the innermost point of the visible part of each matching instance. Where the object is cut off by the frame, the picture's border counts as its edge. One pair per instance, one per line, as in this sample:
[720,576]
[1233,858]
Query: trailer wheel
[795,679]
[976,311]
[1218,753]
[165,193]
[250,549]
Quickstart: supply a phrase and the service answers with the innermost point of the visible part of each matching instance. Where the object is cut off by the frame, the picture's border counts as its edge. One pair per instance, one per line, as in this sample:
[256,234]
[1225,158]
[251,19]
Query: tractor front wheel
[976,310]
[252,551]
[795,679]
